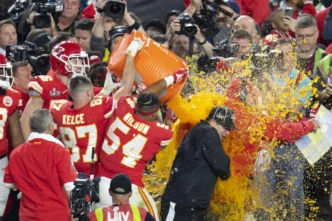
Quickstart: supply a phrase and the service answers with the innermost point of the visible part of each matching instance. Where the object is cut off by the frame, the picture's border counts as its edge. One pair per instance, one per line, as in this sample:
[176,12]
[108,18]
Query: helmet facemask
[6,75]
[77,64]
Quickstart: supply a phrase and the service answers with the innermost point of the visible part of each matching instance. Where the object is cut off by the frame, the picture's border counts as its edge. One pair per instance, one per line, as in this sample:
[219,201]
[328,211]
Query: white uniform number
[131,149]
[69,138]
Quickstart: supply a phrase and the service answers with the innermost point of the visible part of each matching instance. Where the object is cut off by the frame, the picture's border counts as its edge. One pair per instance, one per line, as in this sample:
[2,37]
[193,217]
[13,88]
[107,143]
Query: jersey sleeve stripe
[35,86]
[165,142]
[114,106]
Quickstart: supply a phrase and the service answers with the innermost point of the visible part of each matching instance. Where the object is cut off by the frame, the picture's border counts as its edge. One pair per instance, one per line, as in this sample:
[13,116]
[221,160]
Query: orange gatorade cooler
[152,63]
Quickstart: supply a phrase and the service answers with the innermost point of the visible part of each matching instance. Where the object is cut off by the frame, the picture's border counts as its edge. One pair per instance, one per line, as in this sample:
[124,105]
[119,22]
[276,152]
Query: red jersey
[50,89]
[122,212]
[131,142]
[41,168]
[25,98]
[10,101]
[83,129]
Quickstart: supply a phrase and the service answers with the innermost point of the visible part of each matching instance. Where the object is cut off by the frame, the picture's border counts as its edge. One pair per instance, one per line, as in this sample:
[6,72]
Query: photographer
[176,29]
[243,40]
[97,42]
[51,29]
[67,18]
[41,169]
[8,35]
[248,24]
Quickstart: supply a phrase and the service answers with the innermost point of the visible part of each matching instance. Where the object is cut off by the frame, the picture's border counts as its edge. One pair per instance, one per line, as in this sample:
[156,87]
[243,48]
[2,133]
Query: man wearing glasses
[306,34]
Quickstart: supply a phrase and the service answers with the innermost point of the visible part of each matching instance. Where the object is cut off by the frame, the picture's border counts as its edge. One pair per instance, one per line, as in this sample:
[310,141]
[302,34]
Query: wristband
[100,10]
[202,43]
[169,80]
[135,26]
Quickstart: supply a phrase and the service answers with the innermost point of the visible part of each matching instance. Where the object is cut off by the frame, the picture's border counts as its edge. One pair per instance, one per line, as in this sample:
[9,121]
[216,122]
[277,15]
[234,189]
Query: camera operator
[51,30]
[67,18]
[8,35]
[97,42]
[41,169]
[180,42]
[120,191]
[22,76]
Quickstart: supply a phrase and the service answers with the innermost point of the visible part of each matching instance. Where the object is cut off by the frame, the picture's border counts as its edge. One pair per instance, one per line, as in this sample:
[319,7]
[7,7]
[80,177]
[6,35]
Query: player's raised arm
[15,129]
[34,103]
[158,87]
[129,70]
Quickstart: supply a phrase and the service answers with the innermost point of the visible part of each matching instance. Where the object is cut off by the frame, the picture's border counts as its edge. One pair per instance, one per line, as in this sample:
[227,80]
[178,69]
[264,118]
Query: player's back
[10,101]
[131,142]
[83,129]
[50,89]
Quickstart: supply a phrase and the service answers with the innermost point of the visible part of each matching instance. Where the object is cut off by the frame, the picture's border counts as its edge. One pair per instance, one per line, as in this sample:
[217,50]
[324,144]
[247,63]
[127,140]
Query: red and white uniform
[83,129]
[42,171]
[8,104]
[50,89]
[10,100]
[25,98]
[130,143]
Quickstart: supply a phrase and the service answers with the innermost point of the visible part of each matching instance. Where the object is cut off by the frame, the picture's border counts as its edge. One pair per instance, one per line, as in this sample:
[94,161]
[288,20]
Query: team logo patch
[7,101]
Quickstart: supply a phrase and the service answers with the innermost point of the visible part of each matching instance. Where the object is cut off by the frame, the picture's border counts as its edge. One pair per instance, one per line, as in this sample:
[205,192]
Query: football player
[67,60]
[133,138]
[10,101]
[82,123]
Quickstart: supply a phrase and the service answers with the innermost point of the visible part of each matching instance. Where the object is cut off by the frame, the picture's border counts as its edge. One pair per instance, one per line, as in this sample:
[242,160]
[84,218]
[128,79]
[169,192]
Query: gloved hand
[109,85]
[134,47]
[178,76]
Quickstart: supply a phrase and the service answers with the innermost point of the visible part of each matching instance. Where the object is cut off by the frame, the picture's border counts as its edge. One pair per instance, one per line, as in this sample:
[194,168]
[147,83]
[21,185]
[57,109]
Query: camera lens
[114,9]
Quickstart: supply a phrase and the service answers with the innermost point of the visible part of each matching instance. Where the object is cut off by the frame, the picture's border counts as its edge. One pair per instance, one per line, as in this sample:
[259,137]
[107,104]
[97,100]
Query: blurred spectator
[327,31]
[320,18]
[248,24]
[83,30]
[306,34]
[155,26]
[250,8]
[66,20]
[300,7]
[97,74]
[8,35]
[180,46]
[244,40]
[279,29]
[116,34]
[226,22]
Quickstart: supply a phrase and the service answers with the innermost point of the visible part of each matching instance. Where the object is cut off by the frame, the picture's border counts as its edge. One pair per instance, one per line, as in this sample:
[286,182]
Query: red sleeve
[186,3]
[309,8]
[288,132]
[92,216]
[8,179]
[65,168]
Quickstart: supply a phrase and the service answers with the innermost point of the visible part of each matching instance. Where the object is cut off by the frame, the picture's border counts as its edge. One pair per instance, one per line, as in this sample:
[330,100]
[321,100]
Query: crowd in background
[283,40]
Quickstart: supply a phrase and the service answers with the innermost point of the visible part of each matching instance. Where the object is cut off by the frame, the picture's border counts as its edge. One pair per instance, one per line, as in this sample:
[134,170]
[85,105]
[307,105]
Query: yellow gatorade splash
[235,198]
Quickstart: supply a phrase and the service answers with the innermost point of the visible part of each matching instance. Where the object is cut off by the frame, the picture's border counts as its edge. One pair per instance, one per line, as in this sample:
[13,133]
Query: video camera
[115,9]
[226,49]
[85,194]
[42,7]
[38,57]
[206,19]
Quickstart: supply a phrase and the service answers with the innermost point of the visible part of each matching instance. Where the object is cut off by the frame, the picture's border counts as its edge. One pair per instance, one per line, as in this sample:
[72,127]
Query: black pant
[317,182]
[179,213]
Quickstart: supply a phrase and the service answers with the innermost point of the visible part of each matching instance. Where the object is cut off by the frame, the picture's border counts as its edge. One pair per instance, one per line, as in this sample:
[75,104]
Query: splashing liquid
[235,198]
